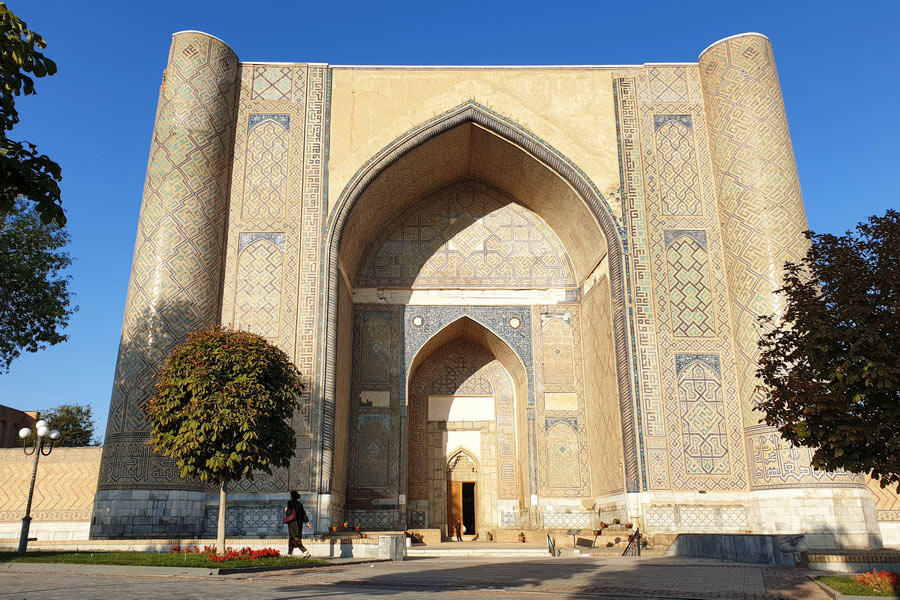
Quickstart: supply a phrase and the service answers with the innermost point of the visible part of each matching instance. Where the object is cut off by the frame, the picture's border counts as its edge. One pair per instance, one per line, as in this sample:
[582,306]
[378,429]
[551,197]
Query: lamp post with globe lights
[42,445]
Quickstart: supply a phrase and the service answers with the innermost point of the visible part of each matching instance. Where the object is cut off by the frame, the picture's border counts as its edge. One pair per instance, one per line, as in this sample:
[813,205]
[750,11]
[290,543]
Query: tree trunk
[220,531]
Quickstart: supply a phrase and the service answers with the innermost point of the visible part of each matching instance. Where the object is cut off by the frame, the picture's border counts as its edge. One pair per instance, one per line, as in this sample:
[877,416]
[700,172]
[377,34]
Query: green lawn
[851,587]
[150,559]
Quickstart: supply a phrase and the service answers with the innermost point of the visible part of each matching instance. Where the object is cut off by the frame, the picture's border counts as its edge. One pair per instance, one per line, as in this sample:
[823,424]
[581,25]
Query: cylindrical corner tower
[176,282]
[763,219]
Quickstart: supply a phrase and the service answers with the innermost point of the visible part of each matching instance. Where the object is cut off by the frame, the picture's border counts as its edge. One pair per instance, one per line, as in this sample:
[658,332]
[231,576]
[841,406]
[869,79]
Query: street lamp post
[40,446]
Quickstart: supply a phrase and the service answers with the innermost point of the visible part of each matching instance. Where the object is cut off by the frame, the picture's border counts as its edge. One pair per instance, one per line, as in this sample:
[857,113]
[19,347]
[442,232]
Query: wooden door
[454,507]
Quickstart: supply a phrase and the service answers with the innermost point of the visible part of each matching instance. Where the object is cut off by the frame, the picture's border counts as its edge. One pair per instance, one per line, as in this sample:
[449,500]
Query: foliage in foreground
[24,172]
[852,586]
[75,423]
[35,300]
[222,405]
[150,559]
[831,366]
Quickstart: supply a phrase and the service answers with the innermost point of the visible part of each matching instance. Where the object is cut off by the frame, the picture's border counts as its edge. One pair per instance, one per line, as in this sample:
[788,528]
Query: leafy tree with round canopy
[830,365]
[75,423]
[222,408]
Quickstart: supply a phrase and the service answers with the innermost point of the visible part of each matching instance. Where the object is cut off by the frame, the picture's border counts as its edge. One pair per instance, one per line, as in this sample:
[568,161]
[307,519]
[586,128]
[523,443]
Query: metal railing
[634,544]
[551,546]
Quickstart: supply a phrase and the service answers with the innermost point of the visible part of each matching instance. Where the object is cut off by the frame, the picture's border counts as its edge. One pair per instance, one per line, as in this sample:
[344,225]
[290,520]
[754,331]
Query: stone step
[476,552]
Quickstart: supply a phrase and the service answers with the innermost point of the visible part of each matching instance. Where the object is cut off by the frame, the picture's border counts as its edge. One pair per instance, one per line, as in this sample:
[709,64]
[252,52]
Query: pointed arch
[544,154]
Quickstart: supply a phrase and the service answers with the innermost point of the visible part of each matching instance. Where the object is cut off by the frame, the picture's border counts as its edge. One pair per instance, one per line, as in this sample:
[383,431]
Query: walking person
[459,530]
[295,516]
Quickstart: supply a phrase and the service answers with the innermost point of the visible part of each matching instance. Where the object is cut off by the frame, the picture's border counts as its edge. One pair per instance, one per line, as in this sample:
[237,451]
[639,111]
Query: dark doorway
[468,508]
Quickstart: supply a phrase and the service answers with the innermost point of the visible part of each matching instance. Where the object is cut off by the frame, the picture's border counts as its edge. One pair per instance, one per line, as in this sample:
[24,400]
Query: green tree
[830,366]
[35,301]
[222,408]
[75,423]
[24,172]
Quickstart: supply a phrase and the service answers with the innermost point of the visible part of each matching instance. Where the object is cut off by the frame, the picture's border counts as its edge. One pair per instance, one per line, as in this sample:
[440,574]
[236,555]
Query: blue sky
[838,64]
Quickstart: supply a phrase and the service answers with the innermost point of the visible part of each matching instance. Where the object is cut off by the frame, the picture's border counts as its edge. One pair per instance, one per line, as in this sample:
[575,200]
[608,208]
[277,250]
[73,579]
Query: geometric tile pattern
[677,165]
[762,213]
[268,205]
[173,291]
[265,188]
[887,500]
[257,303]
[562,435]
[272,83]
[703,425]
[466,235]
[645,367]
[690,293]
[64,490]
[690,297]
[563,470]
[668,84]
[307,355]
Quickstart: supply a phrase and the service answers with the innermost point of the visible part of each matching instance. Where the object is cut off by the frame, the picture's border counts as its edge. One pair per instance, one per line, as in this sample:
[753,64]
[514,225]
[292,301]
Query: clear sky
[838,63]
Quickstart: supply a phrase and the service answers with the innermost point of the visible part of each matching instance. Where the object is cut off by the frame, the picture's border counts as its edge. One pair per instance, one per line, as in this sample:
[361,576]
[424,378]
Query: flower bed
[190,556]
[871,583]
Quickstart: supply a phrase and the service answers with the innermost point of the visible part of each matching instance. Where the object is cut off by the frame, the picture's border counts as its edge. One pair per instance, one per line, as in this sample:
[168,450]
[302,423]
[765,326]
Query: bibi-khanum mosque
[522,297]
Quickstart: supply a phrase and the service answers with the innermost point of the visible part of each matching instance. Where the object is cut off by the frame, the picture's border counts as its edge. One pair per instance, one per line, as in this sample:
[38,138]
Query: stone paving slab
[193,572]
[478,579]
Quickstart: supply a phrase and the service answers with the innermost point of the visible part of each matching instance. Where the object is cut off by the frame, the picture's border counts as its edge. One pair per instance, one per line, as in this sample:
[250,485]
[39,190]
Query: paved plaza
[646,578]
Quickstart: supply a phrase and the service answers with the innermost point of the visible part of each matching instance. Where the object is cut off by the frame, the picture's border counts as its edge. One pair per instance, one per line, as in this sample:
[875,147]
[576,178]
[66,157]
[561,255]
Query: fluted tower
[763,219]
[175,285]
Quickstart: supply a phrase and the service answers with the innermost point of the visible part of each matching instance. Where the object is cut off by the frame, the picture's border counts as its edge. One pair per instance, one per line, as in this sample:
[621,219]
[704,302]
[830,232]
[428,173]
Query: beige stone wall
[572,109]
[64,489]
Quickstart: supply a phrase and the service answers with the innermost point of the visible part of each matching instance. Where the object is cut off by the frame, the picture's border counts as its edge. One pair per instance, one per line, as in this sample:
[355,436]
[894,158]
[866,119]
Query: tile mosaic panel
[646,386]
[668,84]
[269,207]
[704,429]
[466,235]
[184,205]
[763,219]
[309,328]
[562,435]
[266,179]
[676,166]
[257,303]
[272,83]
[690,297]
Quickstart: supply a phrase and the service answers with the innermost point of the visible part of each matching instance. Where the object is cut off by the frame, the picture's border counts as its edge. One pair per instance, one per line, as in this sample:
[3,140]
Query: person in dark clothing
[458,530]
[295,516]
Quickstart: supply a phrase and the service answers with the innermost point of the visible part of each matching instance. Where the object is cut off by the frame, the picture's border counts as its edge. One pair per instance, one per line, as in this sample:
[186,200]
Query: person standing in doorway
[295,516]
[459,530]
